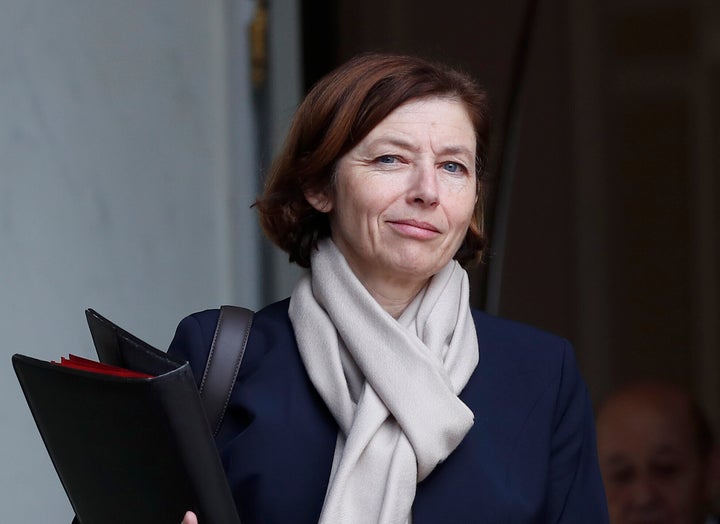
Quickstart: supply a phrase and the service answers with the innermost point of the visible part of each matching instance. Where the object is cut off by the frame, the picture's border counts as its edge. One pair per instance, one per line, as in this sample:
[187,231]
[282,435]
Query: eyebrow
[457,150]
[400,142]
[668,450]
[393,141]
[615,460]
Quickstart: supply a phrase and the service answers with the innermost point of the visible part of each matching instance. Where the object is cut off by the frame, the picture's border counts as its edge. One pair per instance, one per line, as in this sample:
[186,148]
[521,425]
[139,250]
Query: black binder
[128,449]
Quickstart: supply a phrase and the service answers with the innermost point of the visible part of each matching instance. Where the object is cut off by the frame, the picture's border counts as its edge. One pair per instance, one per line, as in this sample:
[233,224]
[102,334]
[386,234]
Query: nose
[645,495]
[424,188]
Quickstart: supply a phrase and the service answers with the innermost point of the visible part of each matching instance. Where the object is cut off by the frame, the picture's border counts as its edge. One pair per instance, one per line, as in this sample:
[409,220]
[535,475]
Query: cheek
[357,214]
[618,496]
[363,209]
[462,214]
[687,491]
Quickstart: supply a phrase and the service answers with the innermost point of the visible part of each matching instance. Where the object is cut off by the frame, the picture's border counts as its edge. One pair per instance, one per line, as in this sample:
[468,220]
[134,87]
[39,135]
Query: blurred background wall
[133,139]
[129,157]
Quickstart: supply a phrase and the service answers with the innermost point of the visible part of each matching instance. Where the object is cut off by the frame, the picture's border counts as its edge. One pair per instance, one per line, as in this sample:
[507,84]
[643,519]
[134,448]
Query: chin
[420,264]
[416,273]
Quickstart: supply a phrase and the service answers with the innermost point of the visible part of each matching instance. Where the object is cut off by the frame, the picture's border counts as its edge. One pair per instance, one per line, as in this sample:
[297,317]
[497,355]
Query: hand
[189,518]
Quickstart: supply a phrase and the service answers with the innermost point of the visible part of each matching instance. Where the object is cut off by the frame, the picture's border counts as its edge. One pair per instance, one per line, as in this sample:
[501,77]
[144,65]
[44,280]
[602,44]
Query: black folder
[128,450]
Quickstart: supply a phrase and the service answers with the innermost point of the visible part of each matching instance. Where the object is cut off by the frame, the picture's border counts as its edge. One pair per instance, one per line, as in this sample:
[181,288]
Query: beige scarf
[391,385]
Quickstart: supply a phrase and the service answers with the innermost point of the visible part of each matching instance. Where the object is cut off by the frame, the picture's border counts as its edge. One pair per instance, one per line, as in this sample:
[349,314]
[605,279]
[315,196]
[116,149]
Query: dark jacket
[530,456]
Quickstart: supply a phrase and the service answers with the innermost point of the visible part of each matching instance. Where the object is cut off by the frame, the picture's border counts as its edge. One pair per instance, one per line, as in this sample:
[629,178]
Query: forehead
[442,117]
[645,428]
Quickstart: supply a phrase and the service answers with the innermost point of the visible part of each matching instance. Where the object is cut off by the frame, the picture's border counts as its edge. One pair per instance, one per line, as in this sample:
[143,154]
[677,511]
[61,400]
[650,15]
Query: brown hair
[340,110]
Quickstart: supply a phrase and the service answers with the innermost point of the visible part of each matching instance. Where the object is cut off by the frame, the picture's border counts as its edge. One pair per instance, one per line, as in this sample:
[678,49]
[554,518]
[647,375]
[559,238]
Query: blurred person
[655,448]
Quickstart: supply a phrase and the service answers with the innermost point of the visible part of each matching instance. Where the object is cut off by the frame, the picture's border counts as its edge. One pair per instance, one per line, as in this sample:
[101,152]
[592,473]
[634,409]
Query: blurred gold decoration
[258,45]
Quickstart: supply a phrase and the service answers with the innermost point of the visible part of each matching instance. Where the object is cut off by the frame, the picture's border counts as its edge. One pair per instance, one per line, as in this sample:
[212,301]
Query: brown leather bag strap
[223,363]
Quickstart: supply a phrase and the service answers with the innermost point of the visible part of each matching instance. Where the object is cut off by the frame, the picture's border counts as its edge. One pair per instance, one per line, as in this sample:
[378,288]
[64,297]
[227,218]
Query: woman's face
[404,196]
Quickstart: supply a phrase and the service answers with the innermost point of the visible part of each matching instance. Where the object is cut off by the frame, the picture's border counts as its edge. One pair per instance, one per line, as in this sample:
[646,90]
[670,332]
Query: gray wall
[127,165]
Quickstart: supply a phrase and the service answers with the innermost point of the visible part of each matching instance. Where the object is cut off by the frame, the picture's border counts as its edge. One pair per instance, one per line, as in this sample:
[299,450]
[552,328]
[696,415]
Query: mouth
[415,228]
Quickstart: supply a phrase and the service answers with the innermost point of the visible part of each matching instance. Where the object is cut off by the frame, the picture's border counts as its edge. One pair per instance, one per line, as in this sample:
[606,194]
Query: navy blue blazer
[530,456]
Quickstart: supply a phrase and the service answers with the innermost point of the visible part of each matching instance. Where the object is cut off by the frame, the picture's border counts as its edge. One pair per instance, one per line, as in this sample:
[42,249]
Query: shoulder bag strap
[226,353]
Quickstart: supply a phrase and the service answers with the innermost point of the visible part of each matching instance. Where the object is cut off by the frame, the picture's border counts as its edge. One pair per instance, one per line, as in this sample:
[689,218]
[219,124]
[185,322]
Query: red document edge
[84,364]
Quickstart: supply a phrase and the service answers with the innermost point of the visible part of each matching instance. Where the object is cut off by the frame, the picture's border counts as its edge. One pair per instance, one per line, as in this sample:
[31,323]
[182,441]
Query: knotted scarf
[391,385]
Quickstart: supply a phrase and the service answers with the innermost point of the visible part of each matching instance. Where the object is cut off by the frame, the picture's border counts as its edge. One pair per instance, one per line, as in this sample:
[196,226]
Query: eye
[387,159]
[666,470]
[454,167]
[621,476]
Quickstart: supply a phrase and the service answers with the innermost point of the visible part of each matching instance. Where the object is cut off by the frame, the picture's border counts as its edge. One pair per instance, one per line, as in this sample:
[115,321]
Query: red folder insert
[85,364]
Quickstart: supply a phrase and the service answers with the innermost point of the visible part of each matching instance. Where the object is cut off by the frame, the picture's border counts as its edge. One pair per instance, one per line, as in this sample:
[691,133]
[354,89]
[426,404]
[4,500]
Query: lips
[415,228]
[418,224]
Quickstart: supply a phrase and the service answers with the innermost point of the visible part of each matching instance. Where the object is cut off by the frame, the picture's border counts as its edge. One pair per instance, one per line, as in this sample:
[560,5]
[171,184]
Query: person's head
[654,445]
[303,197]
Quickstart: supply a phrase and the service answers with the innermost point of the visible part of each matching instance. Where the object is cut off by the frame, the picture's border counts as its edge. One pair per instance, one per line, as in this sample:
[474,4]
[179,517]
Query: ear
[320,201]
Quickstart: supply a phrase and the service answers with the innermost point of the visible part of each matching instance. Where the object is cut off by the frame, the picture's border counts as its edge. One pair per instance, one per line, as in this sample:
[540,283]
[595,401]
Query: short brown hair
[340,110]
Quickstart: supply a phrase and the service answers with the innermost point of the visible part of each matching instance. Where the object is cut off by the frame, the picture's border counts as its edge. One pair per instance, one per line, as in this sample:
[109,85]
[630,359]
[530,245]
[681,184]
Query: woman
[375,393]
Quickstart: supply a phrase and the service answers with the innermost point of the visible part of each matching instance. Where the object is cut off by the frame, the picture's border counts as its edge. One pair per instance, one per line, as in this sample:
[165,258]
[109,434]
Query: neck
[393,297]
[393,290]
